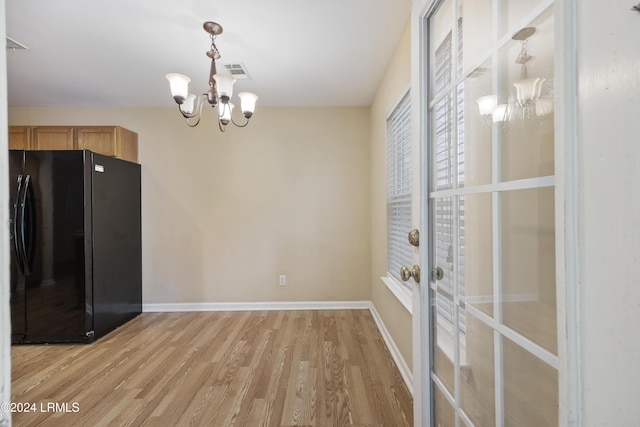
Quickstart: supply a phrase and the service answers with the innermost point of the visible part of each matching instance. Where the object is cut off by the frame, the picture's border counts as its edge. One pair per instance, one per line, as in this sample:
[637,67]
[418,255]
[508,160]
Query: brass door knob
[407,274]
[437,273]
[414,237]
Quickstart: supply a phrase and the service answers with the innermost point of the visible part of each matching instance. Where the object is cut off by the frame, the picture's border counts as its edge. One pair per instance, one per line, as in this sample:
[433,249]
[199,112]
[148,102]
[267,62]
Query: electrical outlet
[283,280]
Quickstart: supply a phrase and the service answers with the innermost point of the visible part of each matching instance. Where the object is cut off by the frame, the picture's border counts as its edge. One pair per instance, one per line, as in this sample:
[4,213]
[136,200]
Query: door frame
[5,317]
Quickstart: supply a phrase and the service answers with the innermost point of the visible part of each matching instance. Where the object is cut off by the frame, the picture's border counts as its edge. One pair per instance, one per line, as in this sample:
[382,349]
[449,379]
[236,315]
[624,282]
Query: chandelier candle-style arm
[247,104]
[219,93]
[192,108]
[189,104]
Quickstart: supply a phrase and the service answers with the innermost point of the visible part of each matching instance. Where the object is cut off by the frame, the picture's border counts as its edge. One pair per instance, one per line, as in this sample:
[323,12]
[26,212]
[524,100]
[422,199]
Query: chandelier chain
[214,48]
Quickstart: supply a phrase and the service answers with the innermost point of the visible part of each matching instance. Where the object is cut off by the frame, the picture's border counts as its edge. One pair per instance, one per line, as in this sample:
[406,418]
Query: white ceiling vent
[14,45]
[237,70]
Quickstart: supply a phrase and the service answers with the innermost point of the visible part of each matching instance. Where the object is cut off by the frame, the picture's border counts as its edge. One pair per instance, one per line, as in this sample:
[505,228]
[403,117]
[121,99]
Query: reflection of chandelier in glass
[528,103]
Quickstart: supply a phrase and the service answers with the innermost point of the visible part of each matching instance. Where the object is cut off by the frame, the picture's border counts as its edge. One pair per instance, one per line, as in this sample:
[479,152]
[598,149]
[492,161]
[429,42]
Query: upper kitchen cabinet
[52,138]
[112,141]
[19,138]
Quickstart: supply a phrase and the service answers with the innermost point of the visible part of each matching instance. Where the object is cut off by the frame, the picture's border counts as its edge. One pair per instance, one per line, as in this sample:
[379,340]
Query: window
[399,187]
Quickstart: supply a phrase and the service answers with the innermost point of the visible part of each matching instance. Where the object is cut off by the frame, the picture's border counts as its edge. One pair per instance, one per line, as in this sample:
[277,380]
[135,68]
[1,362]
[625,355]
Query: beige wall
[224,214]
[395,82]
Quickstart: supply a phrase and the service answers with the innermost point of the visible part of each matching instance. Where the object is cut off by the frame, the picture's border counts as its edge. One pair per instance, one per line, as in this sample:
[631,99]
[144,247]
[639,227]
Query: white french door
[489,194]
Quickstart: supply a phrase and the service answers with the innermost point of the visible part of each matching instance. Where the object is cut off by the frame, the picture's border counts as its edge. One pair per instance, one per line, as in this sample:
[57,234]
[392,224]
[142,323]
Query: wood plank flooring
[260,368]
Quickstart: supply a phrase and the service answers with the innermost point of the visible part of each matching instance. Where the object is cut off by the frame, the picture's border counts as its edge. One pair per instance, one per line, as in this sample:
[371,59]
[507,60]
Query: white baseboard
[407,376]
[406,373]
[257,306]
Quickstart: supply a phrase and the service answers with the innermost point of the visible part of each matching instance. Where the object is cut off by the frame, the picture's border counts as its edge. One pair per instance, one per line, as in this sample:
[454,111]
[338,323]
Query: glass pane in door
[513,12]
[441,35]
[476,18]
[443,149]
[527,138]
[530,389]
[443,337]
[475,254]
[444,413]
[443,311]
[476,147]
[528,265]
[477,373]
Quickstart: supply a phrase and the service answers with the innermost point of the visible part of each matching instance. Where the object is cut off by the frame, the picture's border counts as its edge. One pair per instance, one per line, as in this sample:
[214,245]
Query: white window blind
[399,186]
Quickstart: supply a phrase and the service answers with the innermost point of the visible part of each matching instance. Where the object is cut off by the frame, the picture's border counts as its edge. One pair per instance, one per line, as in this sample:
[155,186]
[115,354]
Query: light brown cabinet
[19,138]
[52,138]
[113,141]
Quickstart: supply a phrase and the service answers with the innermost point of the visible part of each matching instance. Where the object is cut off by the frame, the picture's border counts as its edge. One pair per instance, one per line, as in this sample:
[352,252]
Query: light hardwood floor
[261,368]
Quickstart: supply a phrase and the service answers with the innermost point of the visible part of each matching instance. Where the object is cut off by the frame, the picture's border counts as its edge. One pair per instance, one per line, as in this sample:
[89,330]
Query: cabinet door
[127,144]
[101,140]
[52,138]
[112,141]
[19,138]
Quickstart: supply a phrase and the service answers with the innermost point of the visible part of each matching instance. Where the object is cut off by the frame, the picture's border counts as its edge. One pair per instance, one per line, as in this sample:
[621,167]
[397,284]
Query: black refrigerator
[75,245]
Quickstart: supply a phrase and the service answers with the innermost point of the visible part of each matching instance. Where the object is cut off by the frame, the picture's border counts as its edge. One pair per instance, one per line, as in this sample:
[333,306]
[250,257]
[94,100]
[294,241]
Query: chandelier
[219,93]
[529,103]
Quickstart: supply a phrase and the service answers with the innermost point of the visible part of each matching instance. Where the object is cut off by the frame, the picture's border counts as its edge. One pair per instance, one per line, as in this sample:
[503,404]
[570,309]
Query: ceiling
[117,52]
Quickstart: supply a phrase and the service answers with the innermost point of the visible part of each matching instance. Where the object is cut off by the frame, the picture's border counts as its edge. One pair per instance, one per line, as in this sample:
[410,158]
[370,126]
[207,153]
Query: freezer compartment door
[117,254]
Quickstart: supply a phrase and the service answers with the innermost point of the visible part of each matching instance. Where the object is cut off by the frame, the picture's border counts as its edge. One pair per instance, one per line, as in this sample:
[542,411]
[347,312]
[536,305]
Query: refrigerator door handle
[17,244]
[26,251]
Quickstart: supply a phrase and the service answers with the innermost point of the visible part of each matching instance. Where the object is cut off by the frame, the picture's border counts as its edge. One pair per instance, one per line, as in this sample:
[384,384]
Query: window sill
[401,292]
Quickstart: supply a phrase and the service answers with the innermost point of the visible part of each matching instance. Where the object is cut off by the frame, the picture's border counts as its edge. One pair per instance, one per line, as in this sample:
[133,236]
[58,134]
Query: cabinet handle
[14,226]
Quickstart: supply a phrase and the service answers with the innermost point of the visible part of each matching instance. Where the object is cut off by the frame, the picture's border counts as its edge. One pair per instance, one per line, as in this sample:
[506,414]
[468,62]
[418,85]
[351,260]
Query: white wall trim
[406,373]
[256,306]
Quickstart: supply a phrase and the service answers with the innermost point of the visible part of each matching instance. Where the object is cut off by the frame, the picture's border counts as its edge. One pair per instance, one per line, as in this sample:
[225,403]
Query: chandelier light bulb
[224,84]
[500,114]
[486,104]
[248,103]
[528,90]
[224,112]
[179,84]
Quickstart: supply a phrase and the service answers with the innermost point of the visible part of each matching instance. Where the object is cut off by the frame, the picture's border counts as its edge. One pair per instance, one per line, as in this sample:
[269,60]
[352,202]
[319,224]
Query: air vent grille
[237,70]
